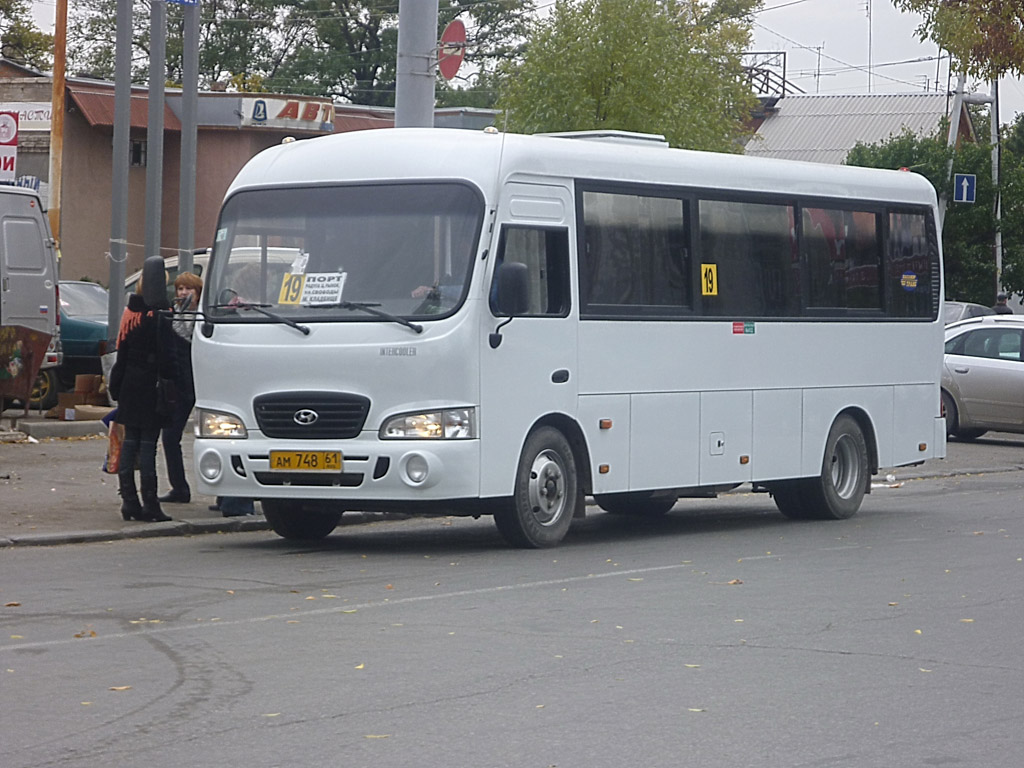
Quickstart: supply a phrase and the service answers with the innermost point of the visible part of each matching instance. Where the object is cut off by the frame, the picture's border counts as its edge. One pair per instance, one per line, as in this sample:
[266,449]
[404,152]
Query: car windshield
[83,299]
[367,252]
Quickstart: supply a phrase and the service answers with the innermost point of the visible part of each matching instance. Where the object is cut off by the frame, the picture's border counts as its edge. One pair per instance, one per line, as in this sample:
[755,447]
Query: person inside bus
[188,288]
[145,354]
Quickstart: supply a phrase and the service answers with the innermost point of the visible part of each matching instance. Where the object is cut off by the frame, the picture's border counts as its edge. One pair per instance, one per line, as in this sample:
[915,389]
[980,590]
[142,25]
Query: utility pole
[119,166]
[189,103]
[60,44]
[155,125]
[417,56]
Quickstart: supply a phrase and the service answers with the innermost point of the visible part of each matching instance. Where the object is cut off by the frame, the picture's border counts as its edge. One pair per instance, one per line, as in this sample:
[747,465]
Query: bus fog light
[420,469]
[211,466]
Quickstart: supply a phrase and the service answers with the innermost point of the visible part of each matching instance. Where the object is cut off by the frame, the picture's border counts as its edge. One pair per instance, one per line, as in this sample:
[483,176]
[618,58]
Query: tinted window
[752,248]
[545,252]
[843,255]
[991,343]
[633,256]
[913,266]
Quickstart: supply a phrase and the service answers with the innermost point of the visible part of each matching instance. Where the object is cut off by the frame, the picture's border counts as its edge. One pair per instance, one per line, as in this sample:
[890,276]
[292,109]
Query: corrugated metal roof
[97,107]
[823,129]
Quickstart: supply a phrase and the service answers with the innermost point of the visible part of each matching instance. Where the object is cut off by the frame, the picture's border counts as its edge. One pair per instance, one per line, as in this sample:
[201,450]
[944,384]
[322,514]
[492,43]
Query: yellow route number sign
[291,289]
[709,279]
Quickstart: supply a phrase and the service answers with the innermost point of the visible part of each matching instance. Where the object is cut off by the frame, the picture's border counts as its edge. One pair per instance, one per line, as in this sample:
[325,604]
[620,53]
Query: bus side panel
[725,436]
[916,408]
[663,440]
[609,447]
[778,434]
[822,405]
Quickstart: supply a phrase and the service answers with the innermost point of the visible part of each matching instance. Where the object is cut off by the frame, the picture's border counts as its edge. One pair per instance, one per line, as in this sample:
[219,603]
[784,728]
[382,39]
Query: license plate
[305,461]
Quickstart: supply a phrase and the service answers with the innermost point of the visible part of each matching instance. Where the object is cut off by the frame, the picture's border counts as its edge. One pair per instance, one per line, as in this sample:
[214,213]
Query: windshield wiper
[262,309]
[371,308]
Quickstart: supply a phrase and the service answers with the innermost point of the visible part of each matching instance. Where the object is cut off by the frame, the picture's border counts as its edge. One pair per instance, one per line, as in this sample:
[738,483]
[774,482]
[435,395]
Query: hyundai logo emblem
[305,417]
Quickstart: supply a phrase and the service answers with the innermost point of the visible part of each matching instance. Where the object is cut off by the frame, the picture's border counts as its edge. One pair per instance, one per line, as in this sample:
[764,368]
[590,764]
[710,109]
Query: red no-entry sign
[452,50]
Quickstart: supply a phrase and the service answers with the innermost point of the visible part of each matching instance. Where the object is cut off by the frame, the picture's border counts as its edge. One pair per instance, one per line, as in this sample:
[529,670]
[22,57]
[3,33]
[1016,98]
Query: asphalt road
[720,635]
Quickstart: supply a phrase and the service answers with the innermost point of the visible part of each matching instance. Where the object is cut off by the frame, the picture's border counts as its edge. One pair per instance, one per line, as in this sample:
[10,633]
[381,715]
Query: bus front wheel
[291,519]
[838,491]
[546,493]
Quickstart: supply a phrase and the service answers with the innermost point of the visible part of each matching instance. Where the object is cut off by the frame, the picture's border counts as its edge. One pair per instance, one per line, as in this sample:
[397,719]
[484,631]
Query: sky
[829,45]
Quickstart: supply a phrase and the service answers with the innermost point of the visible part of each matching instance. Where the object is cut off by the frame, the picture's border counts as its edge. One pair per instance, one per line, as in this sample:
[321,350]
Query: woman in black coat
[145,354]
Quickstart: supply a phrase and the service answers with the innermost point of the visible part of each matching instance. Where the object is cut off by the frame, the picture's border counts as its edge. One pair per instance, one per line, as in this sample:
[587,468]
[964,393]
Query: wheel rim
[845,469]
[547,489]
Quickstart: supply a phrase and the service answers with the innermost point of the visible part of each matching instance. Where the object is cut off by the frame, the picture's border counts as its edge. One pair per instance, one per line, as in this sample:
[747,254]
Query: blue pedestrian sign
[964,187]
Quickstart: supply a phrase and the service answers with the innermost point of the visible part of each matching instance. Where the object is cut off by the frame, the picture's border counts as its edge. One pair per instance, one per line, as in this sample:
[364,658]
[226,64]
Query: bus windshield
[360,252]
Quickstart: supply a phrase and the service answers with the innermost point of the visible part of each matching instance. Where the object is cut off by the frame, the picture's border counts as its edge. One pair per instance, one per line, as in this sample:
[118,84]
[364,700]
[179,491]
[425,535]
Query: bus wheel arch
[848,461]
[547,492]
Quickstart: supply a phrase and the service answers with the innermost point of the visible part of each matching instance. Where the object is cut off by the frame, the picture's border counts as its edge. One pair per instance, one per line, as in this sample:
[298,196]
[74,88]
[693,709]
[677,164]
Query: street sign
[452,49]
[8,146]
[964,187]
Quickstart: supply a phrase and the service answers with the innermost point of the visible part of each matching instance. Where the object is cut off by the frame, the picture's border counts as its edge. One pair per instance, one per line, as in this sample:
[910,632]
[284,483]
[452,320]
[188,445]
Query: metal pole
[954,129]
[417,58]
[994,133]
[119,164]
[60,44]
[155,125]
[189,103]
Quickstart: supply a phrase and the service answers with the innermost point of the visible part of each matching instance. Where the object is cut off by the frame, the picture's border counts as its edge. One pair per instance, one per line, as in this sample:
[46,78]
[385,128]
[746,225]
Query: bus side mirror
[512,295]
[513,288]
[154,283]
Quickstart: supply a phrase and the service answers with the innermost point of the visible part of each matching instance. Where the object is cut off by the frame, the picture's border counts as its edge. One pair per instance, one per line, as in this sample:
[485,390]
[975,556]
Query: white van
[28,291]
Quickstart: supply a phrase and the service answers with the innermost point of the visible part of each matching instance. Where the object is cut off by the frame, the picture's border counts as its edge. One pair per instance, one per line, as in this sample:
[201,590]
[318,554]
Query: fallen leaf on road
[12,605]
[120,688]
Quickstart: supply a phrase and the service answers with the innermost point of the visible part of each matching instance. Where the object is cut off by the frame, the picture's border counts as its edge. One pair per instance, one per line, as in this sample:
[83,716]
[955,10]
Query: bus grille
[338,415]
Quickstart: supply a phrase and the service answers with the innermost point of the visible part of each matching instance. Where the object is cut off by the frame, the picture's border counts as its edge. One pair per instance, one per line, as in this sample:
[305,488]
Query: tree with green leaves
[345,49]
[984,37]
[20,39]
[669,67]
[969,229]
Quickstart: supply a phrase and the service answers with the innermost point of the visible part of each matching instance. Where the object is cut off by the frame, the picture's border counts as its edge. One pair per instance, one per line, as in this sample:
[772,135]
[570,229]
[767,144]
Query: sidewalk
[53,490]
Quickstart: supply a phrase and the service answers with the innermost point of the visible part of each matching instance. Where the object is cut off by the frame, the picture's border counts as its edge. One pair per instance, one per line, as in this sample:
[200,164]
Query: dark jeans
[139,445]
[170,436]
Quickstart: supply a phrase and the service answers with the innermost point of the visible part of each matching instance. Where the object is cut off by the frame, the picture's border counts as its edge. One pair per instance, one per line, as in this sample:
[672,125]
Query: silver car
[983,376]
[961,310]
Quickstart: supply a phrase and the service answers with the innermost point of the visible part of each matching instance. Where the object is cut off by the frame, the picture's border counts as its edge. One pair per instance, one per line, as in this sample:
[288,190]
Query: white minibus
[447,322]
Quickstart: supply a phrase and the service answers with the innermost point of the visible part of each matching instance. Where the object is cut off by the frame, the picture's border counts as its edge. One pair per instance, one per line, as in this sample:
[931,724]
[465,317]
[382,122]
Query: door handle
[961,370]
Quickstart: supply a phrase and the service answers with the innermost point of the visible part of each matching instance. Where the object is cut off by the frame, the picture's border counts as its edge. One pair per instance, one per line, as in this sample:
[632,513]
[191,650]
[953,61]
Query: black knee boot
[130,507]
[151,511]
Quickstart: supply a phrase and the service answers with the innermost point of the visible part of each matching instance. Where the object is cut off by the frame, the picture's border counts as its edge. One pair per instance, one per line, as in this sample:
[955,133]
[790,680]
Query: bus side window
[545,252]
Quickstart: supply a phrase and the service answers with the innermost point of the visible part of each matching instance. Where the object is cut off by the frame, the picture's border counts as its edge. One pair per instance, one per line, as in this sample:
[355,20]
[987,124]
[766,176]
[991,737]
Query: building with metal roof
[824,128]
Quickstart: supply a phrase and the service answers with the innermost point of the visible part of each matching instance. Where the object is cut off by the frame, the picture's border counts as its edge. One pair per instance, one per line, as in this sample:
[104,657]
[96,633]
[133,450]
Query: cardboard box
[90,412]
[66,402]
[88,382]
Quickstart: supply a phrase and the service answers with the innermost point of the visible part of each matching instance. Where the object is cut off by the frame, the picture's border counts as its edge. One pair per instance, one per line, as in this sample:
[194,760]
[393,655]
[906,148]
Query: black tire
[950,413]
[788,496]
[845,473]
[546,494]
[44,390]
[969,434]
[642,504]
[291,519]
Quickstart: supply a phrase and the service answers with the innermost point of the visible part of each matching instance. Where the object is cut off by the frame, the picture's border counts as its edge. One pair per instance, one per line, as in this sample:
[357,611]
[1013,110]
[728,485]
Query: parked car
[962,310]
[83,328]
[983,376]
[200,258]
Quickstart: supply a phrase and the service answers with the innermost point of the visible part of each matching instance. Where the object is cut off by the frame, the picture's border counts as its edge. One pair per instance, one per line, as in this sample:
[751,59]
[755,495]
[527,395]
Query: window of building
[137,153]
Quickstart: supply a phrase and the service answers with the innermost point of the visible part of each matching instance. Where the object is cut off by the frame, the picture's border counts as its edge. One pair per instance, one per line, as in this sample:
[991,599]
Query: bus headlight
[219,424]
[447,424]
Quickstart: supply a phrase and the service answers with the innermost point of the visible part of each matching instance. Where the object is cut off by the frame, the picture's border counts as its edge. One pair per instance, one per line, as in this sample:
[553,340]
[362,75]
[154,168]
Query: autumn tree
[20,39]
[670,67]
[984,37]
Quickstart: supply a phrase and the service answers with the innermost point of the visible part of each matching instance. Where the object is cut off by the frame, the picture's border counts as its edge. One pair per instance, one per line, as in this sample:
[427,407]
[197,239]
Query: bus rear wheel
[546,493]
[292,519]
[838,491]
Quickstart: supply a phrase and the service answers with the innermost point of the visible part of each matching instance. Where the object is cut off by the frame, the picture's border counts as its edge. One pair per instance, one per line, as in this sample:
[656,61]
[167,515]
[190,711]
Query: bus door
[532,372]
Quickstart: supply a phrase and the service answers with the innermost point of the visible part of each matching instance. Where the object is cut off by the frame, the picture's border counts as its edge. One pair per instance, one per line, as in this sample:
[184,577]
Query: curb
[146,531]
